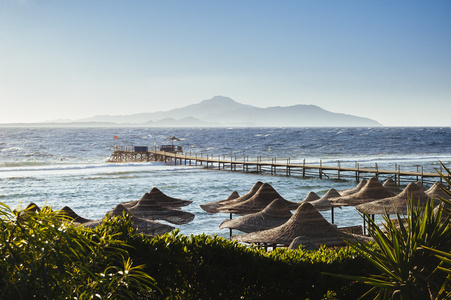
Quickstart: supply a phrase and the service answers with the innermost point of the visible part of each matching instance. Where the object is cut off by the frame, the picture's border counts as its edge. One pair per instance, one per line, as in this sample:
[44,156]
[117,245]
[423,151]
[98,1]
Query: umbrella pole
[230,229]
[332,214]
[364,226]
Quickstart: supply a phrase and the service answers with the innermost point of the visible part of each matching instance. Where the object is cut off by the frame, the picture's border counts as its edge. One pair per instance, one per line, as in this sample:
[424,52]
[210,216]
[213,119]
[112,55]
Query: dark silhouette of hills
[223,111]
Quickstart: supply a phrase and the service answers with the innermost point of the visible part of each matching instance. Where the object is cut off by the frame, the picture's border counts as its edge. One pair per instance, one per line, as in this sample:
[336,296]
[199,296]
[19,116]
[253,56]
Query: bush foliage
[43,256]
[412,253]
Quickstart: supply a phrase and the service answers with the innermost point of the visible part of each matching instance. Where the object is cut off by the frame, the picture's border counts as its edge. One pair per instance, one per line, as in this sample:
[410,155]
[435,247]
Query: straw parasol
[397,203]
[141,225]
[391,185]
[354,189]
[67,211]
[160,198]
[421,185]
[167,201]
[312,196]
[223,206]
[324,203]
[275,214]
[148,208]
[265,195]
[436,191]
[212,207]
[304,241]
[307,223]
[173,138]
[371,191]
[445,207]
[32,207]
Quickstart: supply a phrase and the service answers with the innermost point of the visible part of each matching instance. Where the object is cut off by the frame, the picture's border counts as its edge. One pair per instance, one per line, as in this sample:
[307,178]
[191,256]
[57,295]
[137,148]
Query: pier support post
[422,175]
[396,175]
[338,172]
[357,173]
[320,169]
[417,174]
[303,169]
[272,166]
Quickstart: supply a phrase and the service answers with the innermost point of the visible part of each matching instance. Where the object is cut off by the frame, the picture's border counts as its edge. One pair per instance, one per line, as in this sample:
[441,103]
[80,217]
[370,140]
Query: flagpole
[114,144]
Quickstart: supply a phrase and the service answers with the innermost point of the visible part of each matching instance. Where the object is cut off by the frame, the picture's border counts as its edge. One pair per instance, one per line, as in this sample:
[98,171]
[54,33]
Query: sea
[68,166]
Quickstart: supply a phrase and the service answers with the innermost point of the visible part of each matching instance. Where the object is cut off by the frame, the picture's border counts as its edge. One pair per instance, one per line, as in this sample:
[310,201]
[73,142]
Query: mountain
[198,111]
[223,111]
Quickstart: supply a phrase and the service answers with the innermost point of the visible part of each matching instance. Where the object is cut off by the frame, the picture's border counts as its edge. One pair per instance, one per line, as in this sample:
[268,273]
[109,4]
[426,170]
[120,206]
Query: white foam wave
[103,168]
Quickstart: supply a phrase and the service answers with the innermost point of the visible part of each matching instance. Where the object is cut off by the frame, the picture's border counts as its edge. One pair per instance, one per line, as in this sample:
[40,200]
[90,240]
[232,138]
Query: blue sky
[386,60]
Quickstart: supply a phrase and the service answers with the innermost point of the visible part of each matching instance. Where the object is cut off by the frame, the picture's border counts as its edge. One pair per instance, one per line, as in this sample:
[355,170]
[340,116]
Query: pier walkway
[274,167]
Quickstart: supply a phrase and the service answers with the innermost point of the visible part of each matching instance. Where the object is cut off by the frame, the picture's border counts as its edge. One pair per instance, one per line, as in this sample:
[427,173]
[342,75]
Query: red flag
[116,137]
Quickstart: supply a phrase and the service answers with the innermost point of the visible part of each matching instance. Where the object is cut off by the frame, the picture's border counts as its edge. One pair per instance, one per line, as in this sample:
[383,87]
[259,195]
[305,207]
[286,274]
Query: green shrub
[409,254]
[44,257]
[210,267]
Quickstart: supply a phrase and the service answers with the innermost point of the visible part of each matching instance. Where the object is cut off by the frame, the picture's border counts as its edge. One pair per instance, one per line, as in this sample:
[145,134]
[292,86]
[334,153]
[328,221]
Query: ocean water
[67,166]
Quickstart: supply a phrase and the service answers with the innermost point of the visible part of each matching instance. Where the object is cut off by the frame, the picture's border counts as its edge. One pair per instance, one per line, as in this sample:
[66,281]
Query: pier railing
[278,167]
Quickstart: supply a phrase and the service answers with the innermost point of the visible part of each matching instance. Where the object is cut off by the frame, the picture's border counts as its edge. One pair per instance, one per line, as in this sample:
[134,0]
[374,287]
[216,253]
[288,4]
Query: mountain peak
[218,103]
[219,100]
[226,111]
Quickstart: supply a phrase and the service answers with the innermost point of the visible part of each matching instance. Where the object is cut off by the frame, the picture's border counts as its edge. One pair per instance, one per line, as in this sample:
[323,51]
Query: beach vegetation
[205,267]
[42,256]
[411,253]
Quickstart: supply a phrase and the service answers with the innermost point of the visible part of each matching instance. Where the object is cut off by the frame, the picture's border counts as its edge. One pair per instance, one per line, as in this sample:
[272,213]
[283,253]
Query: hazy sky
[386,60]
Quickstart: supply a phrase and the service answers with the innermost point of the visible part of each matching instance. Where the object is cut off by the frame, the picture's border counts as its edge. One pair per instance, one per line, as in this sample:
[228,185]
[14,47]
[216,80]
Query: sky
[385,60]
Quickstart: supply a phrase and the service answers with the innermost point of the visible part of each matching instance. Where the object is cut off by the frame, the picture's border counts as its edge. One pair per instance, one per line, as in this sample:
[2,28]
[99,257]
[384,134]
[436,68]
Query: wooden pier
[274,167]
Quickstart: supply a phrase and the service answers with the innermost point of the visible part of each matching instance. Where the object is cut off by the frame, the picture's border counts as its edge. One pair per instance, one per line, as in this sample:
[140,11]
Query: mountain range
[220,111]
[223,111]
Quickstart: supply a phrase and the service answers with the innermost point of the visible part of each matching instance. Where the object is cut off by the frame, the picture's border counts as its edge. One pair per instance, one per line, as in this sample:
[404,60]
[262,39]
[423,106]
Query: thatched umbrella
[141,225]
[148,208]
[371,191]
[445,208]
[212,207]
[421,185]
[31,208]
[161,198]
[68,212]
[265,195]
[223,206]
[391,185]
[173,138]
[307,223]
[325,203]
[397,203]
[354,189]
[275,214]
[303,241]
[312,196]
[436,191]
